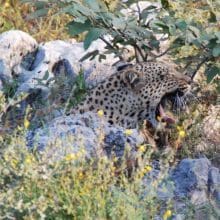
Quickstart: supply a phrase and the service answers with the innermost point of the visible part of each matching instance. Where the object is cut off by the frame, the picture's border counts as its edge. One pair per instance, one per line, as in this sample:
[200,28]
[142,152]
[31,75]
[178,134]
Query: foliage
[195,40]
[194,30]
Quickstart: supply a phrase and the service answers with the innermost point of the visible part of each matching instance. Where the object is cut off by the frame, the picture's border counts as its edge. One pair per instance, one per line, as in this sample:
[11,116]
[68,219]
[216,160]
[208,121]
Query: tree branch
[139,13]
[205,59]
[112,47]
[159,55]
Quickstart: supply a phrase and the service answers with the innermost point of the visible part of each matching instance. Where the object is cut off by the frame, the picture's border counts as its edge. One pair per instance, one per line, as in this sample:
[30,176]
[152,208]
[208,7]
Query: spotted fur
[132,94]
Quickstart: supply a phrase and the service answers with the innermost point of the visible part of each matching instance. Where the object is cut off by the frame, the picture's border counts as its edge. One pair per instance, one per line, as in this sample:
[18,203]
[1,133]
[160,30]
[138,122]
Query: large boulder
[51,55]
[69,134]
[14,45]
[197,185]
[21,56]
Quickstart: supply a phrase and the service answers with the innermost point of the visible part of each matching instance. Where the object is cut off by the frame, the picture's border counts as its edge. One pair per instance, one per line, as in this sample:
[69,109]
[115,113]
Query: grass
[33,186]
[14,15]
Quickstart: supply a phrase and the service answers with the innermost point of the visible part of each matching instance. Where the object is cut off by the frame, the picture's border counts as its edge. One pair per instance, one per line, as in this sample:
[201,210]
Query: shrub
[194,40]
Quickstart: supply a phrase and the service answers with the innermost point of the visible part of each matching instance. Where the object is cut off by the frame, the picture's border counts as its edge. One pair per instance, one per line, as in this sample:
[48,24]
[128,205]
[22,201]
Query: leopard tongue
[165,117]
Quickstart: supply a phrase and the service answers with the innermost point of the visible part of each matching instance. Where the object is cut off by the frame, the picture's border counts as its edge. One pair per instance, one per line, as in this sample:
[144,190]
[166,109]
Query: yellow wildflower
[26,123]
[80,175]
[100,113]
[83,151]
[29,160]
[20,128]
[6,157]
[14,163]
[141,174]
[115,159]
[142,148]
[7,5]
[80,153]
[167,214]
[70,157]
[148,168]
[128,132]
[113,168]
[181,131]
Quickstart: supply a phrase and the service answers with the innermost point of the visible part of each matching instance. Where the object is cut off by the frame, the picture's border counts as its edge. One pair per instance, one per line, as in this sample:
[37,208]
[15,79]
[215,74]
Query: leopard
[134,94]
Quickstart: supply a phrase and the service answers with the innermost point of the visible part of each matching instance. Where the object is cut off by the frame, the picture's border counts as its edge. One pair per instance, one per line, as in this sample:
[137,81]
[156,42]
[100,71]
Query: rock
[212,121]
[14,45]
[214,184]
[20,55]
[209,135]
[68,134]
[197,185]
[51,55]
[191,176]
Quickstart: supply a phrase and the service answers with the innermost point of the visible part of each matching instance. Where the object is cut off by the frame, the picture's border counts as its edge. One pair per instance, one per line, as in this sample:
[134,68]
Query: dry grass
[14,15]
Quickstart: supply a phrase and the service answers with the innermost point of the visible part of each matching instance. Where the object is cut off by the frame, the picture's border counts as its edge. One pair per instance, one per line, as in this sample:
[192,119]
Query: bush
[194,40]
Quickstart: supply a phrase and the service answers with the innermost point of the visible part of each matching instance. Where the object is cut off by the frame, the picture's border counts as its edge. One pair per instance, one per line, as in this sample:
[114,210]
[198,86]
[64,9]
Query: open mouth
[173,102]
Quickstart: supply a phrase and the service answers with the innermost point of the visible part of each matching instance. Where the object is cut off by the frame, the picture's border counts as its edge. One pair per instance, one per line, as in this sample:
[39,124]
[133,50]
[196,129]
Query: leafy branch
[144,29]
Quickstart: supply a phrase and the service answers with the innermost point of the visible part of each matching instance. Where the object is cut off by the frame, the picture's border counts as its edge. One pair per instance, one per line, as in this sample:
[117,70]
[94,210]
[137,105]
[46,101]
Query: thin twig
[205,59]
[139,51]
[159,55]
[111,46]
[139,13]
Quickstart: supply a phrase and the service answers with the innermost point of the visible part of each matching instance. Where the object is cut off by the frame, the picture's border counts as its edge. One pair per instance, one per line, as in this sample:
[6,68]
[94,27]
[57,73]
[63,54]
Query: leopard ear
[133,80]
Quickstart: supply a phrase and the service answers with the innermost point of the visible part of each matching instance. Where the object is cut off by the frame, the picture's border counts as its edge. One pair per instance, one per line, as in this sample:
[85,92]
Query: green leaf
[217,34]
[81,9]
[130,2]
[212,43]
[194,30]
[182,25]
[92,35]
[46,75]
[90,55]
[40,4]
[75,28]
[147,11]
[155,43]
[37,4]
[94,5]
[165,4]
[216,51]
[118,23]
[102,57]
[212,17]
[39,13]
[164,27]
[211,72]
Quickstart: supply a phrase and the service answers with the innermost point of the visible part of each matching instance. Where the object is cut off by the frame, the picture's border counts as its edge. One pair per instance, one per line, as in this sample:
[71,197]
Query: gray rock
[190,175]
[68,134]
[49,57]
[196,184]
[199,197]
[20,54]
[14,45]
[214,184]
